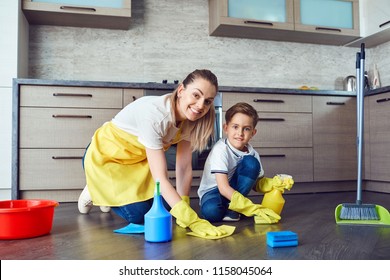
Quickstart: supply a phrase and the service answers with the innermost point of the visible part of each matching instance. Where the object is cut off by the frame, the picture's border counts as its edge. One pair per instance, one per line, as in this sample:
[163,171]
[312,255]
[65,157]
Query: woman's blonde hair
[201,130]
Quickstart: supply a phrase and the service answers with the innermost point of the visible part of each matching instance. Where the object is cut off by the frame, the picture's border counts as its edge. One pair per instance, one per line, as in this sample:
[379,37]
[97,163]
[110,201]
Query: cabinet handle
[272,119]
[258,22]
[276,155]
[383,100]
[62,157]
[87,9]
[174,178]
[72,95]
[383,24]
[268,101]
[73,116]
[328,29]
[335,103]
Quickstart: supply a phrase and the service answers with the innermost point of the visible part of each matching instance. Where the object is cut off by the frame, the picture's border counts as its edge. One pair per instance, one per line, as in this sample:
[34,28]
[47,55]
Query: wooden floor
[311,216]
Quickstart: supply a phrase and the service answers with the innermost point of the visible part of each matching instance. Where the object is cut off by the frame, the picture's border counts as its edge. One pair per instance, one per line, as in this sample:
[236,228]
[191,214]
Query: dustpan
[359,213]
[383,213]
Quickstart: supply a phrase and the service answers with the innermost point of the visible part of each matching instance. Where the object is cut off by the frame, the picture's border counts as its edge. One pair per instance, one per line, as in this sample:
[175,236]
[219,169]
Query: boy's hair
[243,108]
[202,129]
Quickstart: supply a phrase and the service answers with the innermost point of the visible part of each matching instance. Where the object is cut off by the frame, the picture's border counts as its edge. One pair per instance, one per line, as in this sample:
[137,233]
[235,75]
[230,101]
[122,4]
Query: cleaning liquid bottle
[158,221]
[274,200]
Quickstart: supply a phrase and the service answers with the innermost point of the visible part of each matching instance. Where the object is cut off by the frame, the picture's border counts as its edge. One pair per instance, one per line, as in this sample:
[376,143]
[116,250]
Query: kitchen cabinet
[336,20]
[115,14]
[379,115]
[284,132]
[56,124]
[334,138]
[315,21]
[374,23]
[130,95]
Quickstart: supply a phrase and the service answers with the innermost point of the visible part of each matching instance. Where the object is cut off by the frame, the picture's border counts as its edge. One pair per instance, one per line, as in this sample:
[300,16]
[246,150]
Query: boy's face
[239,131]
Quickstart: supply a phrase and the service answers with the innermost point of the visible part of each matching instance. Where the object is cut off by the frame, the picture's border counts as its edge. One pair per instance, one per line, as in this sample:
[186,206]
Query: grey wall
[169,38]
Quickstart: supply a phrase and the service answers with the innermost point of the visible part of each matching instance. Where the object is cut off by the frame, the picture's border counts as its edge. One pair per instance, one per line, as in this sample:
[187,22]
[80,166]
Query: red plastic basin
[26,218]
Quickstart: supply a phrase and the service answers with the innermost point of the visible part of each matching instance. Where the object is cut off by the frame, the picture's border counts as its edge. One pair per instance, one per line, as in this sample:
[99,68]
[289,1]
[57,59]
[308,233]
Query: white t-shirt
[152,120]
[223,158]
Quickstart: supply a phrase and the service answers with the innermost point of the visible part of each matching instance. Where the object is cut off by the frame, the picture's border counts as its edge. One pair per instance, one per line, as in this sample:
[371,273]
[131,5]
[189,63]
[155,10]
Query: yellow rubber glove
[281,182]
[188,218]
[186,198]
[243,205]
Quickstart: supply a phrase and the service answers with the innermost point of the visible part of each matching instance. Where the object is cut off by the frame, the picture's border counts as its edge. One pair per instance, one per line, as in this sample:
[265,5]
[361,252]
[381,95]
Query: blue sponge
[282,239]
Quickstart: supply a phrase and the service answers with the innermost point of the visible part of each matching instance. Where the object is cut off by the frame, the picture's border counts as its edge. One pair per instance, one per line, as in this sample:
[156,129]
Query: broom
[358,210]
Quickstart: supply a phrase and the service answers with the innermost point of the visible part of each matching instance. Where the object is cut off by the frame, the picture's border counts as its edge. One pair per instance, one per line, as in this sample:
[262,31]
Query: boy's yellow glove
[243,205]
[281,182]
[187,217]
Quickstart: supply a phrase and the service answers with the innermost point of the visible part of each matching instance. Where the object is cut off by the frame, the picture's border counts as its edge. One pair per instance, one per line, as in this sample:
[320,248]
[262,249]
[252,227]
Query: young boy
[231,171]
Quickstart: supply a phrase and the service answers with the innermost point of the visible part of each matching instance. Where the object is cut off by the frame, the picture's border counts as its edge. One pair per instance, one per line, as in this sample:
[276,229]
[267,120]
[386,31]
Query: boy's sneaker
[231,216]
[85,201]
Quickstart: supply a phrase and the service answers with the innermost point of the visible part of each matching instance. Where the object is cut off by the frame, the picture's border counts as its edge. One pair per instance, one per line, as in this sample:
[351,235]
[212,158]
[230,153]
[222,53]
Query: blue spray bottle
[158,221]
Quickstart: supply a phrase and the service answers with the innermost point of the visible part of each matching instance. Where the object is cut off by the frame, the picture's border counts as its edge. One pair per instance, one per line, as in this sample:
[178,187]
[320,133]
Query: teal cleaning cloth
[131,229]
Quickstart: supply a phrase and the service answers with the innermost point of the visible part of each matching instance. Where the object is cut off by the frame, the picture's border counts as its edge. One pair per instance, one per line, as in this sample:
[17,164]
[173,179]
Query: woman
[126,155]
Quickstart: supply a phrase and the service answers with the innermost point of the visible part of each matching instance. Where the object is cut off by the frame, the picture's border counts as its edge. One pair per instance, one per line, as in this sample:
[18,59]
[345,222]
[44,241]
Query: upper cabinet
[374,22]
[111,14]
[330,22]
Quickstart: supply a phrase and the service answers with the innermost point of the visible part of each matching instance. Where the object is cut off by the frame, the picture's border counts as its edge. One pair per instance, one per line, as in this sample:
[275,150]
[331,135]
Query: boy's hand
[243,205]
[281,182]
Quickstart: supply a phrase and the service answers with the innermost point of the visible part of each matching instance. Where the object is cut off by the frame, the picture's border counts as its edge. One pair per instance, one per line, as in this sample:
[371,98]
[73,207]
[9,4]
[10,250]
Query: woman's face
[195,100]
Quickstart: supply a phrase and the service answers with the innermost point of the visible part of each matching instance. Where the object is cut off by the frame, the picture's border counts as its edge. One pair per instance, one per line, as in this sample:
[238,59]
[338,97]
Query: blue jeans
[135,212]
[214,206]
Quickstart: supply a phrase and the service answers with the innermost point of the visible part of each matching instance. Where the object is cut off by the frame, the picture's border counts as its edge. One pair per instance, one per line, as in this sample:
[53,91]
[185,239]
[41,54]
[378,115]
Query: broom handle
[360,124]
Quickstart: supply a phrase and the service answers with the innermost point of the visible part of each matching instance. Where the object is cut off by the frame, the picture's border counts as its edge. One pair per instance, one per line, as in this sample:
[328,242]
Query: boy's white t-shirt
[152,120]
[223,158]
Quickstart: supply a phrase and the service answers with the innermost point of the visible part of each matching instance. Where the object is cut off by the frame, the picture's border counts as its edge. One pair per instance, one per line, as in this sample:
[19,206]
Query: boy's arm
[223,185]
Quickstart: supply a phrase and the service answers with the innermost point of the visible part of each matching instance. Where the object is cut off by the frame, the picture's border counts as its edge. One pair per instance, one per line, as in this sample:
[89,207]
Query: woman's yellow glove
[243,205]
[281,182]
[186,198]
[187,217]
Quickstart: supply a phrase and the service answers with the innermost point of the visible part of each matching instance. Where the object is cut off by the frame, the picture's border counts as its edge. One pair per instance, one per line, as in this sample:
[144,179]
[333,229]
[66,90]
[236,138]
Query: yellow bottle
[274,200]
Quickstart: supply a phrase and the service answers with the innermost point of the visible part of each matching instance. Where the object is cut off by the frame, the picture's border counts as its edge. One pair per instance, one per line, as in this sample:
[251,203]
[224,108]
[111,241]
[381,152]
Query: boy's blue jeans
[214,206]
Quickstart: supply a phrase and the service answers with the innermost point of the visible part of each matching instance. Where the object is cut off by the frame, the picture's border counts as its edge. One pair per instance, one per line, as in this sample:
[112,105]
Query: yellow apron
[116,168]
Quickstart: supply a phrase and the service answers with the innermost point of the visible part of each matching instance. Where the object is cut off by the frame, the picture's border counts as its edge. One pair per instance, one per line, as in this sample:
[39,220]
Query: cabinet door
[380,137]
[297,162]
[115,14]
[60,127]
[249,18]
[334,138]
[130,95]
[338,17]
[51,169]
[374,16]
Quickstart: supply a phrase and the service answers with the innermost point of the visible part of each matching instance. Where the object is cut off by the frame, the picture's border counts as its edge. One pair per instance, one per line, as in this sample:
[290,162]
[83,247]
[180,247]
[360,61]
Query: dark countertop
[171,86]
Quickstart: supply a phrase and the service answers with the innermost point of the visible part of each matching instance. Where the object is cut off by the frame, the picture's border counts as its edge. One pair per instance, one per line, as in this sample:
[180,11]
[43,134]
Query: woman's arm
[158,168]
[183,168]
